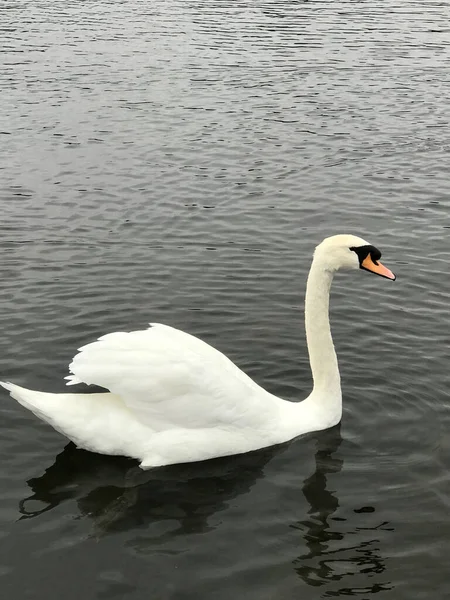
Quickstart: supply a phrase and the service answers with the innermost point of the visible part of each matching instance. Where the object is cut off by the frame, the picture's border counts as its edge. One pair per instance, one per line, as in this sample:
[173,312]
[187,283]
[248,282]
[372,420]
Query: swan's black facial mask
[369,257]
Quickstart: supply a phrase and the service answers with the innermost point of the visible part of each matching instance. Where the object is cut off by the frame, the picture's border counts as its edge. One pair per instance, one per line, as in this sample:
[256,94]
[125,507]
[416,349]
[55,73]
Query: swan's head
[351,252]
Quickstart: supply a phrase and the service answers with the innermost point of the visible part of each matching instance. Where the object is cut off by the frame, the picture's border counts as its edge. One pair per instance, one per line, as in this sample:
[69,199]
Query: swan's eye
[364,251]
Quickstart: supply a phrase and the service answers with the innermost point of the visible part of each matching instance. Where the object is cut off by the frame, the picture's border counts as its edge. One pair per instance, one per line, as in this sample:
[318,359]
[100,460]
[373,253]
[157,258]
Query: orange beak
[376,267]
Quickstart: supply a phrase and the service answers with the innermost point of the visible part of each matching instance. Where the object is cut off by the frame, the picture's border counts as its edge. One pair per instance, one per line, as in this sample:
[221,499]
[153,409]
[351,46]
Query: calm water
[177,161]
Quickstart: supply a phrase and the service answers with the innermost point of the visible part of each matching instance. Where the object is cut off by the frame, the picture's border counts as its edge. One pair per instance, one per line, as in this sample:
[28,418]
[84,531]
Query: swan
[175,399]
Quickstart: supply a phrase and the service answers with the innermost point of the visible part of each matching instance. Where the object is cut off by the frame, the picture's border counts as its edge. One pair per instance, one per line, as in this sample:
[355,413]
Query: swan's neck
[324,366]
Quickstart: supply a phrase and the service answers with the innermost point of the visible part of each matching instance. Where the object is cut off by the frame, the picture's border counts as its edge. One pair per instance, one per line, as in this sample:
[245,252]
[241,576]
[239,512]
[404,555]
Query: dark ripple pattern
[177,161]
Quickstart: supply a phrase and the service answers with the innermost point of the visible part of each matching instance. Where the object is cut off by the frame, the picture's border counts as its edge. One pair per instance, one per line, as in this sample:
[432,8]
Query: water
[177,161]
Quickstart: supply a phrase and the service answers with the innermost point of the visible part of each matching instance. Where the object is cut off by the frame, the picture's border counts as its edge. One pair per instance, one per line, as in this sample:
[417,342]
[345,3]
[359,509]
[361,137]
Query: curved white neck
[322,356]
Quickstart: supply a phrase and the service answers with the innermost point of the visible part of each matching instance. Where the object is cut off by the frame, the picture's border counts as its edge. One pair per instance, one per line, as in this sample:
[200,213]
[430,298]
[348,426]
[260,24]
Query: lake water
[177,162]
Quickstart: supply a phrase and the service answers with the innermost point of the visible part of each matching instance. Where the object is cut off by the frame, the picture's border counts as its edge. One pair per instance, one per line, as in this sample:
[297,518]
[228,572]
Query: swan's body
[173,398]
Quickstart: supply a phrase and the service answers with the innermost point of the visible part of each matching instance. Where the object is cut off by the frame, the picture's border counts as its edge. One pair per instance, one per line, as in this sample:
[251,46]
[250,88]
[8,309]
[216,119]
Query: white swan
[176,399]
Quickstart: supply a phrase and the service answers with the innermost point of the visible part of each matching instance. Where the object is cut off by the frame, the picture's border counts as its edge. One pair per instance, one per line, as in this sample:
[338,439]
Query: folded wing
[171,379]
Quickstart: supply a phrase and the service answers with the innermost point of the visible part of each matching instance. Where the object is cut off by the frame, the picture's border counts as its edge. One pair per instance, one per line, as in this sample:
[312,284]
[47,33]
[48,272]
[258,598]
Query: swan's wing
[169,378]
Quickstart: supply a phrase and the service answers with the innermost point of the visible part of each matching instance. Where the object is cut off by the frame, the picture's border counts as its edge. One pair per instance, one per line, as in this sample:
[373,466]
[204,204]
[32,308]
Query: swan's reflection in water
[342,557]
[116,494]
[335,554]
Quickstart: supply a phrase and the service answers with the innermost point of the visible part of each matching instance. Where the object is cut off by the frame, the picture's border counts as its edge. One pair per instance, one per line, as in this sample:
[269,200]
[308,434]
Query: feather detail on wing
[170,379]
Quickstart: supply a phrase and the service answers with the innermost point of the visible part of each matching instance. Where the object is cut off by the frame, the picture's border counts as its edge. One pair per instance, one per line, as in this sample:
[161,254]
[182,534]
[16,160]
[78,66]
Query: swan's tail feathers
[40,403]
[83,418]
[7,385]
[15,391]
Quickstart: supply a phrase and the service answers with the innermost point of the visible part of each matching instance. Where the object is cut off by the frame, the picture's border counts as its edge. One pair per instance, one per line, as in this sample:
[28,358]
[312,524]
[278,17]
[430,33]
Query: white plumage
[173,398]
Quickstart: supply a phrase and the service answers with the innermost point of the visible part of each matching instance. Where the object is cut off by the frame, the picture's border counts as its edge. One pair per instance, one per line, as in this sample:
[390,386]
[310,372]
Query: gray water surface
[177,162]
